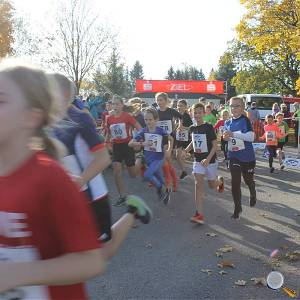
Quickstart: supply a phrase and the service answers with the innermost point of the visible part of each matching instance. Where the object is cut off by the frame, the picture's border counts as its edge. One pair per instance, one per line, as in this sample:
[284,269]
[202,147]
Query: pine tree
[136,73]
[171,74]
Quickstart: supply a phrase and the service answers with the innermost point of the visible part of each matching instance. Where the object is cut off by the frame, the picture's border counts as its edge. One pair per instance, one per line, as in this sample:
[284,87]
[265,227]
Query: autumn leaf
[207,271]
[222,272]
[226,264]
[219,254]
[211,234]
[226,248]
[259,281]
[240,282]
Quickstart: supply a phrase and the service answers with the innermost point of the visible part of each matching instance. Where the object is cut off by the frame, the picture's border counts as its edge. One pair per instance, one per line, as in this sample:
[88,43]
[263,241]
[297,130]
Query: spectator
[275,109]
[213,110]
[296,117]
[253,113]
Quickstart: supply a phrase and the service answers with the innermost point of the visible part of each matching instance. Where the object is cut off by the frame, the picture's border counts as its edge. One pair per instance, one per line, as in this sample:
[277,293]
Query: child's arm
[205,162]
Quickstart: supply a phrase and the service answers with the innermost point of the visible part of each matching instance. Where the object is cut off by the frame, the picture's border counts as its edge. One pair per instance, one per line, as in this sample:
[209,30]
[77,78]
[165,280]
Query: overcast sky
[161,33]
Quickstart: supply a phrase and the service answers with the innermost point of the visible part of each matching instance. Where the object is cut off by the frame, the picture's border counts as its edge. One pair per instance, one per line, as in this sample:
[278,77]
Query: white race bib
[271,136]
[235,144]
[182,135]
[118,131]
[199,143]
[153,142]
[166,125]
[221,130]
[22,254]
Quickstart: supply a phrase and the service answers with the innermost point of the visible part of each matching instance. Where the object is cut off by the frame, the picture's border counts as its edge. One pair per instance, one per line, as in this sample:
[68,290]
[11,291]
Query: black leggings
[237,169]
[224,147]
[272,154]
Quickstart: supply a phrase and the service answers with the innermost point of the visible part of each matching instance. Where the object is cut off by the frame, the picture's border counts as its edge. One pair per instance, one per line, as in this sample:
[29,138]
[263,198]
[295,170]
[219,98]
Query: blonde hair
[41,92]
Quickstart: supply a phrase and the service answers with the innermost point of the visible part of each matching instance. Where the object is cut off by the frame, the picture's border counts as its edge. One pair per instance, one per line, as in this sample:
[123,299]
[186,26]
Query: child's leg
[199,192]
[167,174]
[118,178]
[149,174]
[211,173]
[180,159]
[174,177]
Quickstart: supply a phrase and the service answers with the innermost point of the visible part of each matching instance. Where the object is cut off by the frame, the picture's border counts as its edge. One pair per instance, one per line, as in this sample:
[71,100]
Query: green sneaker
[137,206]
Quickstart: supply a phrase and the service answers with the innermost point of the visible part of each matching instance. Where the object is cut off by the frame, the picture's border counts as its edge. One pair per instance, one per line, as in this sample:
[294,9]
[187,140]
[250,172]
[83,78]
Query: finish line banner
[180,86]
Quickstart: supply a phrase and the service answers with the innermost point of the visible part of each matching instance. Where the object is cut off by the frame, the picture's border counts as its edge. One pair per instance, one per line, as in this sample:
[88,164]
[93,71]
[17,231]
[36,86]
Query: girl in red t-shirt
[119,125]
[48,240]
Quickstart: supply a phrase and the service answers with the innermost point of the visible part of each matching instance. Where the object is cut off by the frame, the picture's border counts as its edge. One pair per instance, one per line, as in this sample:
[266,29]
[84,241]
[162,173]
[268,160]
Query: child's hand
[205,162]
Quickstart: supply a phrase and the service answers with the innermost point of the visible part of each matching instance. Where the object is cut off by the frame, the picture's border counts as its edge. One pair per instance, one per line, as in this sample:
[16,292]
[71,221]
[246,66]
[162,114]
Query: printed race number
[235,144]
[199,143]
[153,142]
[182,135]
[271,136]
[118,131]
[166,125]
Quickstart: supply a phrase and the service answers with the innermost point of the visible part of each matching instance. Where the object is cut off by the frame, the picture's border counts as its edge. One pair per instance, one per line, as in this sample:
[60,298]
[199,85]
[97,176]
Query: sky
[160,33]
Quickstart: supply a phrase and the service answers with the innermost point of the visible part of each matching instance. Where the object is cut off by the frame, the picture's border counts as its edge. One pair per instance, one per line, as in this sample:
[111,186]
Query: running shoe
[272,170]
[167,197]
[227,164]
[161,193]
[252,201]
[140,209]
[121,201]
[183,175]
[281,166]
[236,213]
[197,218]
[220,187]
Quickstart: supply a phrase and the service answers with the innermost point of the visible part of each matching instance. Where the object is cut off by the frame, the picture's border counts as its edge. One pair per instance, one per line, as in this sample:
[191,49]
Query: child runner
[167,117]
[271,136]
[119,125]
[182,135]
[220,127]
[284,128]
[48,241]
[209,117]
[155,141]
[204,146]
[239,134]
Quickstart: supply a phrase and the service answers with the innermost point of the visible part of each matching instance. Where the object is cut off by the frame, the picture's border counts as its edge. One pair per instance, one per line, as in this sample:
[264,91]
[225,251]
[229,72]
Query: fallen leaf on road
[148,245]
[210,234]
[222,272]
[226,248]
[259,281]
[219,254]
[226,264]
[207,271]
[263,215]
[240,282]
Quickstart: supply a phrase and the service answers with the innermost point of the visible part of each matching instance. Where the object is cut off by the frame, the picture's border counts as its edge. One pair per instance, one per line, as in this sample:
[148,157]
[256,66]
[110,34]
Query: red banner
[180,86]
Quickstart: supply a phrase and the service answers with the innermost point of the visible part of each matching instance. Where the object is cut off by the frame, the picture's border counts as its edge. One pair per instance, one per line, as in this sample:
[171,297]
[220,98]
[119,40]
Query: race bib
[153,142]
[22,254]
[282,130]
[221,130]
[199,143]
[118,131]
[166,125]
[271,136]
[235,144]
[182,135]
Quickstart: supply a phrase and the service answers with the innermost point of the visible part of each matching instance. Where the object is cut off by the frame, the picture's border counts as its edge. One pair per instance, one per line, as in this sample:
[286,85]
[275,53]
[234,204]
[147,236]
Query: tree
[212,75]
[135,73]
[81,42]
[270,31]
[171,74]
[226,71]
[113,78]
[6,27]
[178,75]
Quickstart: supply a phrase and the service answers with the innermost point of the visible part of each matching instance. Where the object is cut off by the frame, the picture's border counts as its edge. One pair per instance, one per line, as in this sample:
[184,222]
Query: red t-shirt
[43,216]
[120,127]
[272,134]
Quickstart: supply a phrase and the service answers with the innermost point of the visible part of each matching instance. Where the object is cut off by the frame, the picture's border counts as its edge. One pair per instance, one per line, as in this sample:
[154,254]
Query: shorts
[272,151]
[122,152]
[181,144]
[280,145]
[102,211]
[210,171]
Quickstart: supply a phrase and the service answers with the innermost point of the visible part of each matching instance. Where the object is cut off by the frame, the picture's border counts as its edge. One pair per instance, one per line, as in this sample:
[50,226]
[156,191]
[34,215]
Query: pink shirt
[272,134]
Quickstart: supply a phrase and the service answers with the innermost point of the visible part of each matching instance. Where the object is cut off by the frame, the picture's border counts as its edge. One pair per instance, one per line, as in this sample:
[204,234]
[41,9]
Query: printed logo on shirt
[166,125]
[118,131]
[153,142]
[199,143]
[271,136]
[182,135]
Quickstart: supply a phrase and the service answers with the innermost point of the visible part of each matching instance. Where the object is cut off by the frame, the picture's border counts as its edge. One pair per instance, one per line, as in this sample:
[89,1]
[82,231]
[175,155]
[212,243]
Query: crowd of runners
[56,228]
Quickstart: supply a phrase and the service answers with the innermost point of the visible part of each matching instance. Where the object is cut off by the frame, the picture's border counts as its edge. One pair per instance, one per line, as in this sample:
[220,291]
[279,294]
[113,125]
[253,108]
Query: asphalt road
[169,258]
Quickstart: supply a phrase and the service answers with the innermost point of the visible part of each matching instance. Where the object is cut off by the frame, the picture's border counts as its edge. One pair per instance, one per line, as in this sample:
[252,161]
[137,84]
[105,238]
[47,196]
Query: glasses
[234,106]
